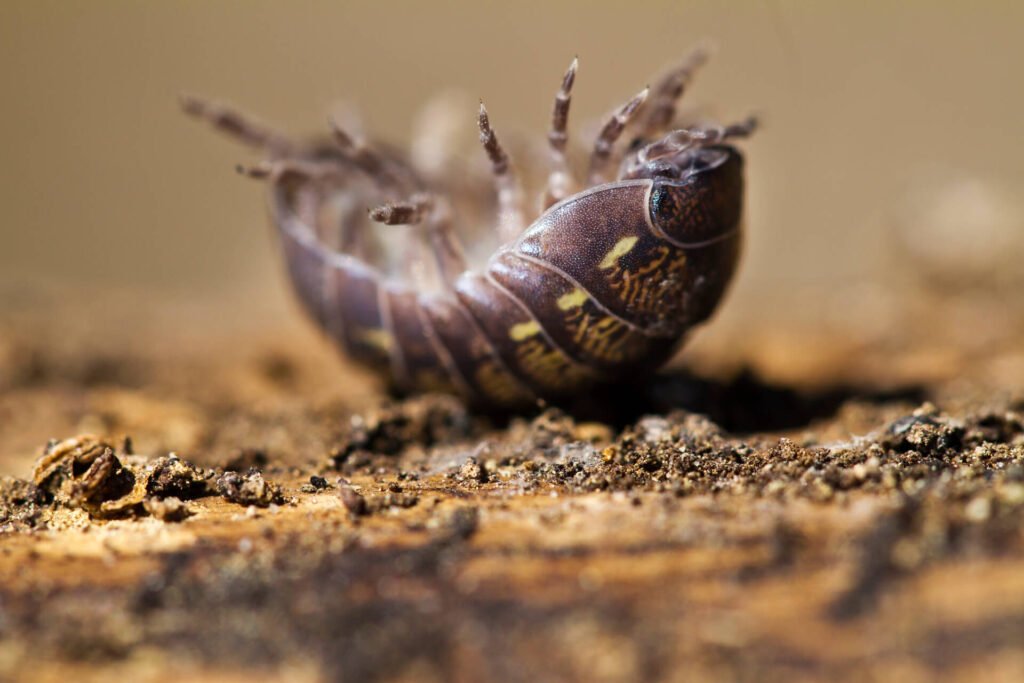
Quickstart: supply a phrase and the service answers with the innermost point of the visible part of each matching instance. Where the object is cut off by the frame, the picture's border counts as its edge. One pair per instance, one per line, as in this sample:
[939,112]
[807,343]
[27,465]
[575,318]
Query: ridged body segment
[518,337]
[486,376]
[417,362]
[601,238]
[574,319]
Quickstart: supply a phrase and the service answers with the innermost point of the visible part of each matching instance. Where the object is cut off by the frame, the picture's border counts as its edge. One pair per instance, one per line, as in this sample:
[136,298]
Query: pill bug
[603,284]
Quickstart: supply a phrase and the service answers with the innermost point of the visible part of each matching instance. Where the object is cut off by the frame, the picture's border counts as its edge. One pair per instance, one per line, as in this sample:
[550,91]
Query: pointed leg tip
[484,122]
[638,100]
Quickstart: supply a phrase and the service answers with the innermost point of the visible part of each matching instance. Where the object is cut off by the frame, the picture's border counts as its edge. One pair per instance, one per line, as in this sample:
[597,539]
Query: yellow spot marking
[573,299]
[376,338]
[497,383]
[524,330]
[549,366]
[621,248]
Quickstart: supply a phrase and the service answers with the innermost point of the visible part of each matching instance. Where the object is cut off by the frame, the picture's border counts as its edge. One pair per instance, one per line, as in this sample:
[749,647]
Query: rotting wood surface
[720,527]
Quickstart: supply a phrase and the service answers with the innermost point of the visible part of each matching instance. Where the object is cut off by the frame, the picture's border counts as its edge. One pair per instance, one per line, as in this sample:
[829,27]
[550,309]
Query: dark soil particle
[248,489]
[392,428]
[173,477]
[316,483]
[351,499]
[21,505]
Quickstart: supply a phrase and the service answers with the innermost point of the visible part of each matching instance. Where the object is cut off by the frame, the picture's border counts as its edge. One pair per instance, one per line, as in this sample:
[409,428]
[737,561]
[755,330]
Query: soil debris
[172,477]
[393,497]
[316,483]
[394,427]
[473,471]
[21,505]
[169,509]
[353,501]
[925,431]
[83,472]
[726,525]
[687,454]
[249,489]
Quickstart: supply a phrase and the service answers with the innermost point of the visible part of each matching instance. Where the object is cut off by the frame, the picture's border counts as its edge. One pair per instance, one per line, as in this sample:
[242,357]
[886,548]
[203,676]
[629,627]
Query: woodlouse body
[603,285]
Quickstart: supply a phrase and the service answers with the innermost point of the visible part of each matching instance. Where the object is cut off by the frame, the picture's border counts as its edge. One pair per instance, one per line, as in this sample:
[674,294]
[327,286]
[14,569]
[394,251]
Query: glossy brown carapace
[603,284]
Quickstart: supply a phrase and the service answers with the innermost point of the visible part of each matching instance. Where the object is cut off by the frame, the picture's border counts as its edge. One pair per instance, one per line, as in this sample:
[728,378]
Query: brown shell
[603,285]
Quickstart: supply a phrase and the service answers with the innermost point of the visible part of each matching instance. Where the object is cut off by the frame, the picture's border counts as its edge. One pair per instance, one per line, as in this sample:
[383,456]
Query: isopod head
[705,204]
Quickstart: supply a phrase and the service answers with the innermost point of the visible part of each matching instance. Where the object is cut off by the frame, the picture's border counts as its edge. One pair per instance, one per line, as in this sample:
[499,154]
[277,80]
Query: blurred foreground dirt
[798,501]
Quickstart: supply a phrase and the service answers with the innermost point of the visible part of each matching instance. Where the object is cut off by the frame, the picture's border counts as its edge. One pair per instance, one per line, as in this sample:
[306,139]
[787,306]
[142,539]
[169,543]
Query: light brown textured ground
[641,540]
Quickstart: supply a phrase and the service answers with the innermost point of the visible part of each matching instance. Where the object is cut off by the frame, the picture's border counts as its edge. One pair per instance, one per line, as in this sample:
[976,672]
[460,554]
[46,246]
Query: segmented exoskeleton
[603,284]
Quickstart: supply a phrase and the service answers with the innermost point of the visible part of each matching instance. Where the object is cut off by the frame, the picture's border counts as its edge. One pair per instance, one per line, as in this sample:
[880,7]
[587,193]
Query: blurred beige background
[104,183]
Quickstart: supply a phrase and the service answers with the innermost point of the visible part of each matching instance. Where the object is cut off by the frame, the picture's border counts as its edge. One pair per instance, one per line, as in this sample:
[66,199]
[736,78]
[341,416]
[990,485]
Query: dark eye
[664,206]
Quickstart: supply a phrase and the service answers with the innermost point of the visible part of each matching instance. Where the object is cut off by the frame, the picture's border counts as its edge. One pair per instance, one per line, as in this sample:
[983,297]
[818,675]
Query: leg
[602,154]
[412,211]
[388,174]
[668,91]
[742,129]
[240,127]
[434,212]
[308,178]
[445,245]
[560,180]
[680,140]
[288,168]
[510,210]
[351,234]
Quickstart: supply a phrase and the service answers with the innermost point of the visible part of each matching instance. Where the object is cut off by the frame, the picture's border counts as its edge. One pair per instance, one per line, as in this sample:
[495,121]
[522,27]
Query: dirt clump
[249,489]
[21,505]
[84,472]
[170,476]
[393,427]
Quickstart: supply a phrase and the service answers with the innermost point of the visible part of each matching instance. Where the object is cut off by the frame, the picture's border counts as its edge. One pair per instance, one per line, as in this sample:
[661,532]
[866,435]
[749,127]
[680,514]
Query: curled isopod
[603,284]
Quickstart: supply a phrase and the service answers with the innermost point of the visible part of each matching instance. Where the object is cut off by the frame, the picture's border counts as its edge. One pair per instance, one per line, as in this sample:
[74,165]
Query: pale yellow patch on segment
[621,248]
[377,338]
[523,331]
[498,384]
[573,299]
